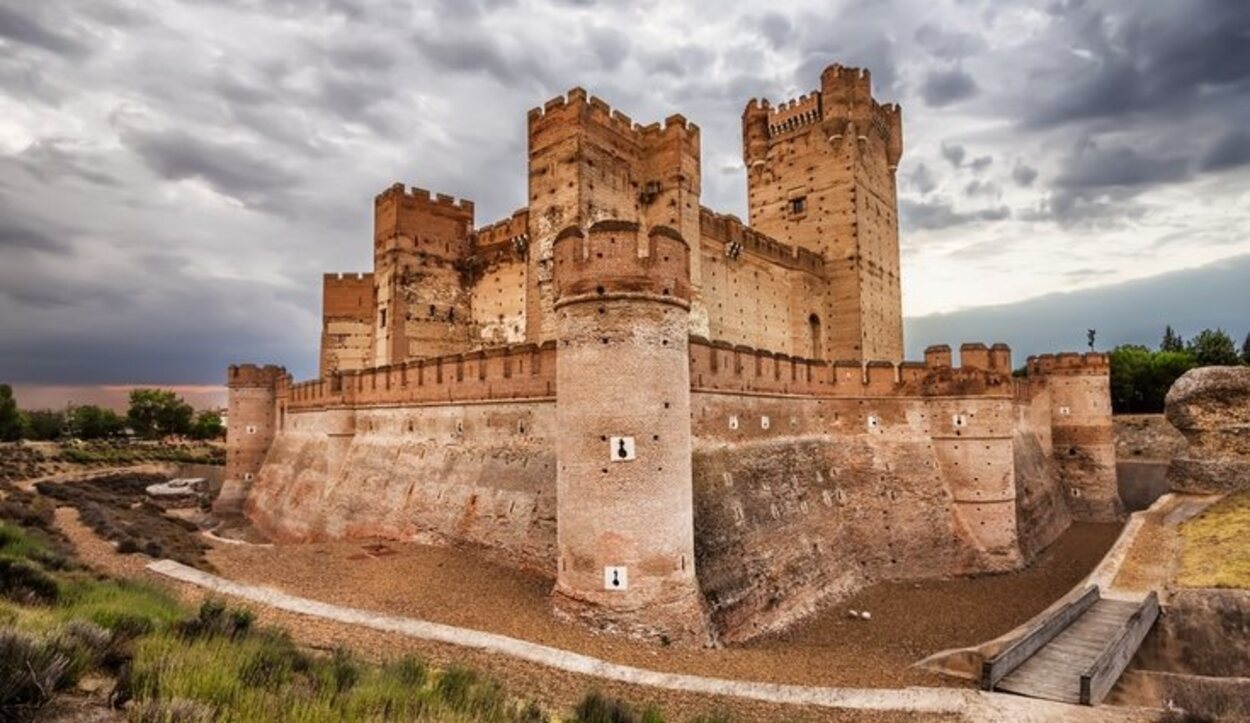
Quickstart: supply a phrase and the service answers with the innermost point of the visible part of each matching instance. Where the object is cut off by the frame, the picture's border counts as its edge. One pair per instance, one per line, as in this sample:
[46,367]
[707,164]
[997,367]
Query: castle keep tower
[625,517]
[423,308]
[821,177]
[589,163]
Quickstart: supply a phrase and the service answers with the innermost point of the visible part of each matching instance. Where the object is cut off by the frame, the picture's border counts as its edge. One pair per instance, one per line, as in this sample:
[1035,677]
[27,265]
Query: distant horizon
[1031,326]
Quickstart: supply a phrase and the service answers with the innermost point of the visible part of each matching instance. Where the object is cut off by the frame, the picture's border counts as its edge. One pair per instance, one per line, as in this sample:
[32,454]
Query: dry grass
[1216,545]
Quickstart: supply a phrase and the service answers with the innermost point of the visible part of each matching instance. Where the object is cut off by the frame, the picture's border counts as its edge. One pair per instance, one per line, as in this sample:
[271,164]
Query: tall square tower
[821,177]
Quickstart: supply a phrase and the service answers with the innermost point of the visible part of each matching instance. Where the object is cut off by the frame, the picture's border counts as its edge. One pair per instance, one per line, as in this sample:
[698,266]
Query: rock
[866,615]
[852,614]
[1210,406]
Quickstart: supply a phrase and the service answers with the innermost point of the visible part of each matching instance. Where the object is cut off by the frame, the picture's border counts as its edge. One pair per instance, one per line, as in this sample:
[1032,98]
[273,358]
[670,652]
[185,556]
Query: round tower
[625,513]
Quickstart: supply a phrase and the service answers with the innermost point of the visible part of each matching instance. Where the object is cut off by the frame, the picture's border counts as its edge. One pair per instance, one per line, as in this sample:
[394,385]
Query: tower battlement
[254,375]
[615,258]
[1069,363]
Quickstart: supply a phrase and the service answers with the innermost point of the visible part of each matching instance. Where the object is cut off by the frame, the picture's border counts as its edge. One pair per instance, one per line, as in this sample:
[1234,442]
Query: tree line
[1141,376]
[152,414]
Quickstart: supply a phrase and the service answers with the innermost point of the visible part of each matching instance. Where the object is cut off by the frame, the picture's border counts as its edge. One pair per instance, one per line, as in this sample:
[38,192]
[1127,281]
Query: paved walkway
[970,704]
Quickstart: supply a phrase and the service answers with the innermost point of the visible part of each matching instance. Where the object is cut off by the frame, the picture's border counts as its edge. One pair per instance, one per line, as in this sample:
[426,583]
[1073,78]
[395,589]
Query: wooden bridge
[1077,652]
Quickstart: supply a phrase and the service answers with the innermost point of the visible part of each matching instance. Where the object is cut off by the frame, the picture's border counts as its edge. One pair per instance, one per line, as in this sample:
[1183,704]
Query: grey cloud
[1142,57]
[940,214]
[24,29]
[479,53]
[977,187]
[1092,167]
[980,163]
[954,153]
[233,171]
[948,44]
[1023,175]
[51,159]
[610,46]
[921,178]
[1229,151]
[17,235]
[945,87]
[776,28]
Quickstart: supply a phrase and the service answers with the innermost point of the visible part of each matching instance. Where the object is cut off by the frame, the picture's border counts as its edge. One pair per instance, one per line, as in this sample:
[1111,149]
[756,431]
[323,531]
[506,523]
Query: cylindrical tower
[625,514]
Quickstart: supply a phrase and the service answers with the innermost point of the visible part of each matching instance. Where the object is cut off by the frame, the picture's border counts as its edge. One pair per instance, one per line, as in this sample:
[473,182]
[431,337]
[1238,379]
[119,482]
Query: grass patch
[1214,552]
[597,708]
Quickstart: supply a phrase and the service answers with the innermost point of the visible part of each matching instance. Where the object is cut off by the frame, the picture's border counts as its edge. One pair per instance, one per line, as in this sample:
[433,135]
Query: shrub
[408,670]
[30,671]
[595,708]
[25,582]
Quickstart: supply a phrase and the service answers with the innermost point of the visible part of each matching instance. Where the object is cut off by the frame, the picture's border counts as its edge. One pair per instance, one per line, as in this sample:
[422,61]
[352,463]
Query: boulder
[1210,406]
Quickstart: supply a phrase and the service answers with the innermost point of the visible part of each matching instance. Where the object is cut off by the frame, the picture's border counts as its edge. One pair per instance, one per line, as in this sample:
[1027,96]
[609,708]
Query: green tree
[1245,350]
[1141,378]
[42,424]
[1172,341]
[157,412]
[1213,348]
[207,425]
[10,418]
[92,422]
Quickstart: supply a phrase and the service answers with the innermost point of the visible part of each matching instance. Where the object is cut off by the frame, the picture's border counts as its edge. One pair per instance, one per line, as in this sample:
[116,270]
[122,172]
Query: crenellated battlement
[254,375]
[1069,363]
[521,371]
[502,233]
[723,367]
[348,276]
[617,258]
[729,229]
[423,197]
[794,114]
[578,104]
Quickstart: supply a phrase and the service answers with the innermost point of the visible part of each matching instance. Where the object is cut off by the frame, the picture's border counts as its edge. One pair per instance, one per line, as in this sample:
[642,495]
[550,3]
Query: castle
[701,429]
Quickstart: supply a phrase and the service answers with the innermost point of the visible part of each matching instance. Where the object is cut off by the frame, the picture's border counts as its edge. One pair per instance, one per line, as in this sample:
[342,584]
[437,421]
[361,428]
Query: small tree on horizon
[155,413]
[1213,348]
[1245,350]
[207,425]
[10,417]
[1171,340]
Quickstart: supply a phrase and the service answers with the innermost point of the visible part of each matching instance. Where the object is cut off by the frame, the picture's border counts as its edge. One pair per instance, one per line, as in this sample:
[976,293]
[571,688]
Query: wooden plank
[1102,674]
[998,667]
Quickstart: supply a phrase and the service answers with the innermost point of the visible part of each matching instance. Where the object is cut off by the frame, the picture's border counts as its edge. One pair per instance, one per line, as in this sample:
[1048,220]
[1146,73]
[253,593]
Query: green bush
[596,708]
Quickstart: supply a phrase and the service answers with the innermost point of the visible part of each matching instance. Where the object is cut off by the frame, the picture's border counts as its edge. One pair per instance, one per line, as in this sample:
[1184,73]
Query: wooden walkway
[1077,652]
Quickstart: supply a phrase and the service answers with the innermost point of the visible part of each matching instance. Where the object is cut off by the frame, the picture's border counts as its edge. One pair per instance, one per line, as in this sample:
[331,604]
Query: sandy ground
[558,690]
[458,587]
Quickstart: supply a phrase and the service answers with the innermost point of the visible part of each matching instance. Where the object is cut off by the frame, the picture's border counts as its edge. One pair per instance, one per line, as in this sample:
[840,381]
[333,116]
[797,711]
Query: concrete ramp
[1077,652]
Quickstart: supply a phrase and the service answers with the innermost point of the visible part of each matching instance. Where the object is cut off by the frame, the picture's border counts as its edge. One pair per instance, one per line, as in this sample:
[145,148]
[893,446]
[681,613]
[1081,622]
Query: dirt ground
[458,587]
[558,690]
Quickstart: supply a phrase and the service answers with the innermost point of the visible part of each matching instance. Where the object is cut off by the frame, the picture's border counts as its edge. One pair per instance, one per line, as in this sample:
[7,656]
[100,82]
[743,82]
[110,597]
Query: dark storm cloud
[944,87]
[1142,57]
[1091,167]
[1230,151]
[26,29]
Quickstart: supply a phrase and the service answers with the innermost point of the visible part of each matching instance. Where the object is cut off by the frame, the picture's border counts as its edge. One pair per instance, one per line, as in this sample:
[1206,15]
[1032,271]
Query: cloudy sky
[176,175]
